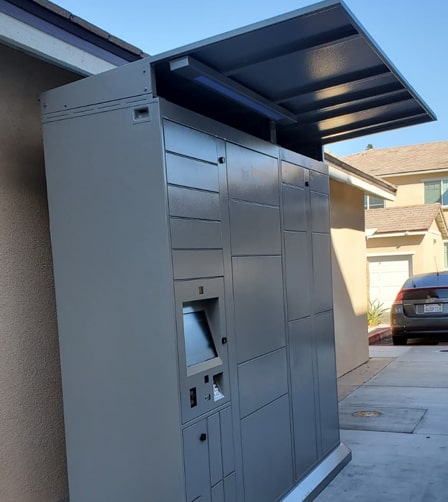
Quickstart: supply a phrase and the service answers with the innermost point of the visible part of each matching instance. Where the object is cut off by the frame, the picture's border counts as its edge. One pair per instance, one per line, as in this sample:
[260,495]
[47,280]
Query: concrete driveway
[396,424]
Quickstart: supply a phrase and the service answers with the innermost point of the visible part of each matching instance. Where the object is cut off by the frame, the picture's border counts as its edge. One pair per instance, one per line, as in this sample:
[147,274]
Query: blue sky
[411,33]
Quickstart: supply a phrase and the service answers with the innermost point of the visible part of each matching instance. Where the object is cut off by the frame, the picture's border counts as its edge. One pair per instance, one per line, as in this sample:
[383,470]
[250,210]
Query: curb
[378,334]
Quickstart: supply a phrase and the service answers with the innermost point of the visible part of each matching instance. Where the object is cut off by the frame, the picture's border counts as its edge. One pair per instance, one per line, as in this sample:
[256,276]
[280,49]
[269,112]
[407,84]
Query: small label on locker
[217,394]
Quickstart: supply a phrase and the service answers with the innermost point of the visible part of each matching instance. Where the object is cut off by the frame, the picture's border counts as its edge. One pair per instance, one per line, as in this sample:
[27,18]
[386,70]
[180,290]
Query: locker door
[197,470]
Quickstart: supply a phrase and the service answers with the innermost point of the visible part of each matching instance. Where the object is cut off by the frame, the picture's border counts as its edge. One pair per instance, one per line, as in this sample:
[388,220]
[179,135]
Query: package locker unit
[195,306]
[193,286]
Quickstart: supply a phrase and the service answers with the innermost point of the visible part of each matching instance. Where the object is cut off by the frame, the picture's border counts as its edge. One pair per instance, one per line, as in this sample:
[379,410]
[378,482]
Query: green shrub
[375,313]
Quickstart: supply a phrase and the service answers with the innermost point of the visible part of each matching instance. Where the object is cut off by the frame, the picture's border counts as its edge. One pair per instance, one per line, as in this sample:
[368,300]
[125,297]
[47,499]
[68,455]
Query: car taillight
[415,294]
[400,295]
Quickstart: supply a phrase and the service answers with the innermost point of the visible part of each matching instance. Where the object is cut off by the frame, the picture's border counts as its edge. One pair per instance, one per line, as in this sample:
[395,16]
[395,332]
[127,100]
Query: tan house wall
[429,251]
[32,450]
[428,256]
[349,276]
[432,259]
[411,189]
[398,245]
[426,250]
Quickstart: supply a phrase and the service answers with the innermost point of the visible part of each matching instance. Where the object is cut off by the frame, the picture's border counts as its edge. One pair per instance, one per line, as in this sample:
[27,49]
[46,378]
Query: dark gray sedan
[421,308]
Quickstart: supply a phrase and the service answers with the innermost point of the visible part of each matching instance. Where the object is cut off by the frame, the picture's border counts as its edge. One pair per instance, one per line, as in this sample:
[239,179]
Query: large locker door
[267,455]
[327,385]
[302,349]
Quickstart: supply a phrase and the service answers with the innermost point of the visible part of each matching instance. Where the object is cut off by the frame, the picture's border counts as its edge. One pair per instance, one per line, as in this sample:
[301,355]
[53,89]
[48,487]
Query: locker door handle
[203,437]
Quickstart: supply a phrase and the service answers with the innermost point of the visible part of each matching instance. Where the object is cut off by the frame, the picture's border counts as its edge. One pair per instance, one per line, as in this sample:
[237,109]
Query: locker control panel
[202,346]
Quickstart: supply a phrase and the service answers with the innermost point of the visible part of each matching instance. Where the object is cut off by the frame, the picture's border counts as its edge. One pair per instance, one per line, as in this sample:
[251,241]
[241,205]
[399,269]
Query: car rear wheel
[399,340]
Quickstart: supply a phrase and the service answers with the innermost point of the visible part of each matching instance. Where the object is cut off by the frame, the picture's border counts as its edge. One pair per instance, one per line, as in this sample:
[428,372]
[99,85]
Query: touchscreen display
[199,346]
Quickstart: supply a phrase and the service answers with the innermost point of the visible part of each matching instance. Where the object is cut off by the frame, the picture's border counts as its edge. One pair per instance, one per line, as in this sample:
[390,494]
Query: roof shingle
[333,160]
[402,219]
[401,160]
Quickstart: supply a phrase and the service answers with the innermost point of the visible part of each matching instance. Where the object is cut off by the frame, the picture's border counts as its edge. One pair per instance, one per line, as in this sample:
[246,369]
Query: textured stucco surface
[32,449]
[426,250]
[349,276]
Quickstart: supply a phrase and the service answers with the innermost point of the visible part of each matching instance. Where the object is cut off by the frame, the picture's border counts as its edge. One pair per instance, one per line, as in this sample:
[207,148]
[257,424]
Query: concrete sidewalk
[394,418]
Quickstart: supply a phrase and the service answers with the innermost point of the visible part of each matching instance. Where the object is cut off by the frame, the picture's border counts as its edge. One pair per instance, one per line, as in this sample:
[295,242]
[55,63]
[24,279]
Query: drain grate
[367,413]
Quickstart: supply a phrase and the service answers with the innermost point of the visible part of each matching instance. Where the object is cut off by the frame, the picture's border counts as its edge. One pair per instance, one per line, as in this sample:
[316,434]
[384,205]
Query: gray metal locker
[193,335]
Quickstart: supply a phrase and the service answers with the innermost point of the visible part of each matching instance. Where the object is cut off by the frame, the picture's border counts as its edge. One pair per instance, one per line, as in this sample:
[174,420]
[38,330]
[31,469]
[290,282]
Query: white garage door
[387,274]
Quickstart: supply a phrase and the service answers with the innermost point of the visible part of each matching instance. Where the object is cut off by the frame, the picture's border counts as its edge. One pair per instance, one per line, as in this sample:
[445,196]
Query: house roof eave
[442,224]
[371,185]
[53,34]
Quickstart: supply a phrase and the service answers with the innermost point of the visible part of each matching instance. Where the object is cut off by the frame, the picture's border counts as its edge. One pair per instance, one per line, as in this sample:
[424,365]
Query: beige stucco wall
[426,250]
[411,245]
[432,252]
[32,450]
[349,276]
[411,189]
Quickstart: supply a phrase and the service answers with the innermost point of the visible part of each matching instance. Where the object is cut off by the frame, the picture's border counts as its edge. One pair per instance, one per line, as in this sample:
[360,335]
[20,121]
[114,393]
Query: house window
[371,202]
[436,192]
[445,254]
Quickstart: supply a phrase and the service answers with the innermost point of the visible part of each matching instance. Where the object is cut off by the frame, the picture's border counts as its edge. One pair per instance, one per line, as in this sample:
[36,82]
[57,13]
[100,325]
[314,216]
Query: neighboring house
[400,241]
[348,187]
[43,46]
[408,235]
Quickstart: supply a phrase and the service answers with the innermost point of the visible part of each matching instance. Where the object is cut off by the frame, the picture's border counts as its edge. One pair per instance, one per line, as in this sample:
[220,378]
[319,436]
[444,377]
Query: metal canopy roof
[314,73]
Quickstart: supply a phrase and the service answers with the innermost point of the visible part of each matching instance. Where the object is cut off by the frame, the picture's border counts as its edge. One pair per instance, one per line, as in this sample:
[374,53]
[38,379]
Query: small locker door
[197,466]
[209,459]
